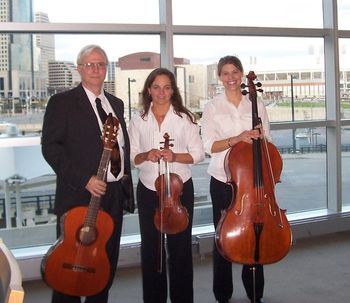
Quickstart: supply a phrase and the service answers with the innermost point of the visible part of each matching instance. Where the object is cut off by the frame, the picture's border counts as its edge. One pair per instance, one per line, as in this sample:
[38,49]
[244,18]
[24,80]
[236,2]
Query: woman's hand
[249,135]
[154,155]
[168,155]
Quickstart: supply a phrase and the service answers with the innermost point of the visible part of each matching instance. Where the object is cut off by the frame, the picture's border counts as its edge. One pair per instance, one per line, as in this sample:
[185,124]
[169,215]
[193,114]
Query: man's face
[92,69]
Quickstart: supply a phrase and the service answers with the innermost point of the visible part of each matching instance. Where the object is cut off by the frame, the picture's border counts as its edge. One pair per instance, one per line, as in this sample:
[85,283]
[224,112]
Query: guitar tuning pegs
[244,92]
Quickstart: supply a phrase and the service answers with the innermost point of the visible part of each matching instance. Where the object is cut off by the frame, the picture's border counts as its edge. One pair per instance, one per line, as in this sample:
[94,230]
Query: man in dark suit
[72,145]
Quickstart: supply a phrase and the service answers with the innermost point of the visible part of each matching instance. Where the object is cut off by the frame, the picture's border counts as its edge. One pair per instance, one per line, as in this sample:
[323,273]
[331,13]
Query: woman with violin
[226,121]
[165,119]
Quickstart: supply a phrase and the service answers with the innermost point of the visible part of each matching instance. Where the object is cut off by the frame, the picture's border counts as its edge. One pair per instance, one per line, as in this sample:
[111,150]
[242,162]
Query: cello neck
[257,155]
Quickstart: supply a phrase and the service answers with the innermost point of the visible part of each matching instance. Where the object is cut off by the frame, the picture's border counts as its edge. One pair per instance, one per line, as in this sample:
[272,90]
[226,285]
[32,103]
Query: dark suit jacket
[71,144]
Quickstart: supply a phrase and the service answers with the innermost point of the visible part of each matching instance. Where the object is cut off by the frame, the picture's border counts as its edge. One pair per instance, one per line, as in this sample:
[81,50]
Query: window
[107,11]
[232,13]
[293,59]
[344,14]
[345,147]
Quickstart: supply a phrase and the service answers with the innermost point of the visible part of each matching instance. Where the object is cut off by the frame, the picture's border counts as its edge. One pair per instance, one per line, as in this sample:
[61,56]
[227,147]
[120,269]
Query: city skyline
[270,53]
[261,54]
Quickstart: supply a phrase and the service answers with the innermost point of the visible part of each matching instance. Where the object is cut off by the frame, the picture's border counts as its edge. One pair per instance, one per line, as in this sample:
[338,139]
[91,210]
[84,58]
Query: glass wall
[107,11]
[303,184]
[344,14]
[292,57]
[234,13]
[344,62]
[345,139]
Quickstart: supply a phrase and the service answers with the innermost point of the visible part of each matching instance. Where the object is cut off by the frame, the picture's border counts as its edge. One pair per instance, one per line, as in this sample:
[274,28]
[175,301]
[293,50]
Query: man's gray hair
[88,49]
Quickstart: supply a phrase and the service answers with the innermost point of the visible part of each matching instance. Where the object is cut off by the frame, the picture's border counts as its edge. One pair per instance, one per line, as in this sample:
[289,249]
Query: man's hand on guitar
[96,187]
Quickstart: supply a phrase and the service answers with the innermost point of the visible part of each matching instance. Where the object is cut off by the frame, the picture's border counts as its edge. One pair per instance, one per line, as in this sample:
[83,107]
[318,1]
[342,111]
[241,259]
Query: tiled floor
[315,270]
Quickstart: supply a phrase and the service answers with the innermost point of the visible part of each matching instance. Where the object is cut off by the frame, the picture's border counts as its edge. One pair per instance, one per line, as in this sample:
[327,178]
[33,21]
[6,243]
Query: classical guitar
[77,263]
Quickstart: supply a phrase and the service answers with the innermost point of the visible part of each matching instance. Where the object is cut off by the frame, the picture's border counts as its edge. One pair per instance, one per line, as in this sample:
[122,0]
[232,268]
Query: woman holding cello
[164,118]
[227,120]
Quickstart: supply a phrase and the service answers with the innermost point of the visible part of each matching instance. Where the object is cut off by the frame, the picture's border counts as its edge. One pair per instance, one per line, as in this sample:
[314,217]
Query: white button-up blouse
[145,135]
[221,120]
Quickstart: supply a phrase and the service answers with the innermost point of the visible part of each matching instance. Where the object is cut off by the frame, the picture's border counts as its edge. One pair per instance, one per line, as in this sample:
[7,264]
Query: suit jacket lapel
[87,110]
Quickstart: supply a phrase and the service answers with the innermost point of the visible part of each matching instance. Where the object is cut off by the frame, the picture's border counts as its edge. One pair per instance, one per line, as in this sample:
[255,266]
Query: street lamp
[292,104]
[129,95]
[292,95]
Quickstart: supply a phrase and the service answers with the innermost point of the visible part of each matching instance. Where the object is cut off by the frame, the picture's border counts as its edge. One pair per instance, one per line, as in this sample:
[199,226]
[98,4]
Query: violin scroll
[166,143]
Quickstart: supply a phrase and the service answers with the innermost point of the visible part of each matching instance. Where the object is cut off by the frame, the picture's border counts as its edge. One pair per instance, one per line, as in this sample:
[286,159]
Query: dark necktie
[101,112]
[115,155]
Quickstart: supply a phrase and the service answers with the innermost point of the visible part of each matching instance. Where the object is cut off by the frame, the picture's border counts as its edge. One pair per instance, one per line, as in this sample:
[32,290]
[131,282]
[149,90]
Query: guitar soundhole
[87,235]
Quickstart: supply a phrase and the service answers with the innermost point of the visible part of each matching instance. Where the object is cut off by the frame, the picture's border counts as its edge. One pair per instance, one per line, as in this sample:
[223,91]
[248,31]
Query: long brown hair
[176,99]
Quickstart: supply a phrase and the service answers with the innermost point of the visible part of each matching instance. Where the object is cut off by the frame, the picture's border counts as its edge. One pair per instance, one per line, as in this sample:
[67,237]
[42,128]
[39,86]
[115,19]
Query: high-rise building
[111,69]
[16,54]
[44,51]
[63,75]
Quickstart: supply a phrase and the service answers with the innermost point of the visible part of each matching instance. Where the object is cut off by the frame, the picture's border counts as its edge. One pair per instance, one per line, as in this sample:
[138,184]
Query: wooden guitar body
[77,264]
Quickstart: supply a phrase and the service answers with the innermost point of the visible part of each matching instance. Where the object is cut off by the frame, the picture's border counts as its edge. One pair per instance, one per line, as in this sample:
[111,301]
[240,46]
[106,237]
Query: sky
[264,53]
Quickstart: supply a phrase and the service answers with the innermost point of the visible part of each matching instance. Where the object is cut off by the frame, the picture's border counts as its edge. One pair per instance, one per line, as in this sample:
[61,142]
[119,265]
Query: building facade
[63,75]
[44,52]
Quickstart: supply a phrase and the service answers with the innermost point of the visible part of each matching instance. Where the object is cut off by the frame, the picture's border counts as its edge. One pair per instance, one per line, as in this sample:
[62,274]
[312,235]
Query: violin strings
[161,198]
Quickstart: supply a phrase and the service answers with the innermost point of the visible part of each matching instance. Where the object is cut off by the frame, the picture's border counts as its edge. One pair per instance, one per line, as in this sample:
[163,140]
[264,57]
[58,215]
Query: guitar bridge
[79,268]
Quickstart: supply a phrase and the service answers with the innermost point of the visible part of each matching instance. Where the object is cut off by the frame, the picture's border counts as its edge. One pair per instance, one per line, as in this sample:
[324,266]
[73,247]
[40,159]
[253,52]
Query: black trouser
[111,203]
[221,196]
[178,251]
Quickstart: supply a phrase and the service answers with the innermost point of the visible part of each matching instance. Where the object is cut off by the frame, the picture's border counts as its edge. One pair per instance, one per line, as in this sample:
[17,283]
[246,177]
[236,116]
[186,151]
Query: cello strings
[267,154]
[272,179]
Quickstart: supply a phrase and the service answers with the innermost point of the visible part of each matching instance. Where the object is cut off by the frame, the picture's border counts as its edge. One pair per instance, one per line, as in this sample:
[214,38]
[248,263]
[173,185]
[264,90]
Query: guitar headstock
[110,131]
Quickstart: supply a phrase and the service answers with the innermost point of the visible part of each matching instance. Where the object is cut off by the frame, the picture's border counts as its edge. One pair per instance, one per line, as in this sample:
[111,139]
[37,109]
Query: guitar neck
[94,204]
[102,169]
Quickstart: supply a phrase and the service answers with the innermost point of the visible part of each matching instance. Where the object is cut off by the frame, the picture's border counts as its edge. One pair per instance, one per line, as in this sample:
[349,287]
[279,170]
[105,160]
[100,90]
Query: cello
[253,229]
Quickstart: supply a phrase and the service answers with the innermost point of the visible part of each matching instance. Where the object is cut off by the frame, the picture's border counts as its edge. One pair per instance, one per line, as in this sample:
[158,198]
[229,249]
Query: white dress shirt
[221,120]
[120,138]
[145,135]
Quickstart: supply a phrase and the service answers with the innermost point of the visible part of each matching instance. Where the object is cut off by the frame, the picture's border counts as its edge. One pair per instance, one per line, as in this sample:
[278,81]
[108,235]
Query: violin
[253,229]
[171,217]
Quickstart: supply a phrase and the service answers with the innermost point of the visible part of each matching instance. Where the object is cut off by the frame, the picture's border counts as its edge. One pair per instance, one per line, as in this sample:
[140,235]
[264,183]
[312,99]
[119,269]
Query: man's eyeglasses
[91,65]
